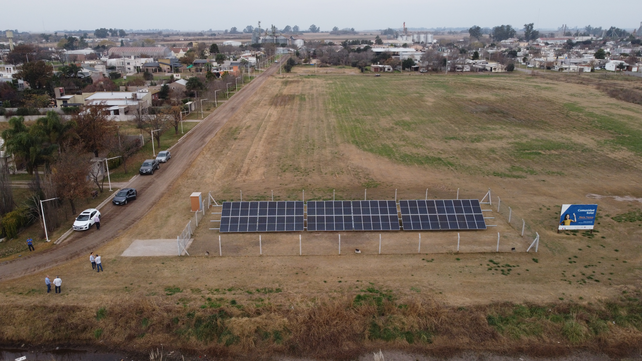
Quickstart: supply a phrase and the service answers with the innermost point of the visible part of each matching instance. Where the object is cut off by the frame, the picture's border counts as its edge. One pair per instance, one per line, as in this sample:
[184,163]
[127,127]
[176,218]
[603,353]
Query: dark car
[124,195]
[149,166]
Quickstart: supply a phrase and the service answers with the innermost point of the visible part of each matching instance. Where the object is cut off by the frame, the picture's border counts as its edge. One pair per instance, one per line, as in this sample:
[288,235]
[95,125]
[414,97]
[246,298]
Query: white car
[163,156]
[86,219]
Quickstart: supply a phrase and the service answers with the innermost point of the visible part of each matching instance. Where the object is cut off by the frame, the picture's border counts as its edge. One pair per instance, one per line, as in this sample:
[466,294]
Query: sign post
[577,216]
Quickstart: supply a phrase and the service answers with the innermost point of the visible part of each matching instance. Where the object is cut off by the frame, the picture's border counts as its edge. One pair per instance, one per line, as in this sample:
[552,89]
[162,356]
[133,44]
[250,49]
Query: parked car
[86,219]
[149,166]
[124,195]
[163,156]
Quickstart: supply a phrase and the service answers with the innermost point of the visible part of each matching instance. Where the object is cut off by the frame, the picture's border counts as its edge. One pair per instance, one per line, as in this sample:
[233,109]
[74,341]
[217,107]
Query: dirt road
[150,189]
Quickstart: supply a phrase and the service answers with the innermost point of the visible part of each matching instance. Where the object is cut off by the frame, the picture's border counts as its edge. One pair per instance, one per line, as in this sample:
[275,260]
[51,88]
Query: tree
[336,28]
[69,175]
[55,131]
[101,33]
[287,29]
[248,29]
[125,147]
[22,53]
[295,29]
[314,28]
[407,63]
[193,84]
[530,33]
[6,193]
[26,144]
[234,30]
[378,40]
[38,74]
[475,55]
[600,54]
[510,67]
[214,49]
[94,128]
[122,33]
[172,116]
[475,32]
[164,92]
[503,32]
[220,58]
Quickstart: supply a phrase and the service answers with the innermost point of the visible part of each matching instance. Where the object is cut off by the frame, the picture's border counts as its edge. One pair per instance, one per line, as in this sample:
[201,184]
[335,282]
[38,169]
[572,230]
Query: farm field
[535,142]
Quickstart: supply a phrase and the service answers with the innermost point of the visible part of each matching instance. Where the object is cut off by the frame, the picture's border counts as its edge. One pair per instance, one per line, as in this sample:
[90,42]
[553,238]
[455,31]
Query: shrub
[2,110]
[13,221]
[71,110]
[27,111]
[510,67]
[113,163]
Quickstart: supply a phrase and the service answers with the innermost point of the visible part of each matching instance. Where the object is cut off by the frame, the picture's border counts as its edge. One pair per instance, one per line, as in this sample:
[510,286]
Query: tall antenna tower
[10,37]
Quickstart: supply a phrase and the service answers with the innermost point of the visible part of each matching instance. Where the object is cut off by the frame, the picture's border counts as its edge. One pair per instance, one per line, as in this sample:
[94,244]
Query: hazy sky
[41,15]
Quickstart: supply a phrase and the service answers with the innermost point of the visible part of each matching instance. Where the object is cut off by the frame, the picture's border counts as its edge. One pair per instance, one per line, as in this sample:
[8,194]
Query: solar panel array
[284,216]
[352,216]
[442,214]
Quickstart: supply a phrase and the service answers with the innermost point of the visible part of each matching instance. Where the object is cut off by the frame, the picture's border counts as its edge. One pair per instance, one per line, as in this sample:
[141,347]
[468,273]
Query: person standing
[57,282]
[92,259]
[99,264]
[97,222]
[48,283]
[30,244]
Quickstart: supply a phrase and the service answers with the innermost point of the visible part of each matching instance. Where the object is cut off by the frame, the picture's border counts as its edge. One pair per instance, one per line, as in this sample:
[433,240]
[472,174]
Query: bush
[13,221]
[148,76]
[510,67]
[2,111]
[71,110]
[27,111]
[113,163]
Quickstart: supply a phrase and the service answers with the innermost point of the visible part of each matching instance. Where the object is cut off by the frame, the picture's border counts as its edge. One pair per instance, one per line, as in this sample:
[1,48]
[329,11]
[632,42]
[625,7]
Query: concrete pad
[153,247]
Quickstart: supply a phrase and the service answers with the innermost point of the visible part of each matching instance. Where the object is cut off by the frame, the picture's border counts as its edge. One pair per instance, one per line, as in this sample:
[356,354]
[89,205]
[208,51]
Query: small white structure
[233,43]
[613,65]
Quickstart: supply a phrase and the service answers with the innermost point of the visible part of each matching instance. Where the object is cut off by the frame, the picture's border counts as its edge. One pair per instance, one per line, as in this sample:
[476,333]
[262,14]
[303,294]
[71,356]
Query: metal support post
[299,245]
[273,196]
[510,213]
[419,248]
[499,203]
[458,238]
[220,250]
[426,193]
[523,226]
[241,195]
[497,241]
[365,194]
[339,243]
[457,193]
[379,243]
[260,246]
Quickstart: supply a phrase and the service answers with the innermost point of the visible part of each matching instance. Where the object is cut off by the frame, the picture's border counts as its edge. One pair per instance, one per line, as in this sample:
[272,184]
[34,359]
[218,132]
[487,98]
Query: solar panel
[441,214]
[352,216]
[284,216]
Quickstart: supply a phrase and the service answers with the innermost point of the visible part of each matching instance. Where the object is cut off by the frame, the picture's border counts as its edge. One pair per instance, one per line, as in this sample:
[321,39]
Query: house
[78,55]
[613,65]
[151,67]
[179,52]
[199,64]
[170,65]
[119,104]
[159,52]
[129,64]
[7,71]
[232,43]
[73,100]
[381,68]
[178,86]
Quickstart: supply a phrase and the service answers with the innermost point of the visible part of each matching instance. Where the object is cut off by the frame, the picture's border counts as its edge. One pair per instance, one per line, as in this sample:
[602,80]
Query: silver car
[163,156]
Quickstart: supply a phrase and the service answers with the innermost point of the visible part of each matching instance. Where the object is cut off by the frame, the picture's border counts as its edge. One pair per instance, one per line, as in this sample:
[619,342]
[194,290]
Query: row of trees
[503,32]
[103,32]
[286,30]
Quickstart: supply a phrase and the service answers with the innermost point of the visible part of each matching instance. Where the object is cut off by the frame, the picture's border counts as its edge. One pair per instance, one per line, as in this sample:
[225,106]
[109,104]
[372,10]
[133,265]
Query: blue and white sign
[577,216]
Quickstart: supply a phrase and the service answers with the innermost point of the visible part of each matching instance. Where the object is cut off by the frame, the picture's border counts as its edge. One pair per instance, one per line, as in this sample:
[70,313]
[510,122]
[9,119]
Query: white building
[613,64]
[128,65]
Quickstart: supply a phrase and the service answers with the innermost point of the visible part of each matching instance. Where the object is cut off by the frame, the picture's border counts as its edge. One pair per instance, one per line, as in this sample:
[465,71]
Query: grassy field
[537,143]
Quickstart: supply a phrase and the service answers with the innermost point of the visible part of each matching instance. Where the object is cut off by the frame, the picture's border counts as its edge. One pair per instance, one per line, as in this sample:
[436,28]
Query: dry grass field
[536,143]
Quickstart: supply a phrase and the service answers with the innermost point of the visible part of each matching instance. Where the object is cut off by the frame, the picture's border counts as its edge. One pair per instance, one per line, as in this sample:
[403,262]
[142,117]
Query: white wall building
[128,65]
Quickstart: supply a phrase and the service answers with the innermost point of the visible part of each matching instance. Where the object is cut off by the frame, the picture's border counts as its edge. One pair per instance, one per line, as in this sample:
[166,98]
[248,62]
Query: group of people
[57,283]
[96,264]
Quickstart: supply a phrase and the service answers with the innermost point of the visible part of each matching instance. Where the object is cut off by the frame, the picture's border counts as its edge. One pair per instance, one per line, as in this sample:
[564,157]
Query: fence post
[339,243]
[510,213]
[458,241]
[379,243]
[196,217]
[523,226]
[220,250]
[260,246]
[299,245]
[499,203]
[498,242]
[419,248]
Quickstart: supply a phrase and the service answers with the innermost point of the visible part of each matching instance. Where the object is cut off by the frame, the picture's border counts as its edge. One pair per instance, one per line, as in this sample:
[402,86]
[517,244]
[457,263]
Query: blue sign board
[577,216]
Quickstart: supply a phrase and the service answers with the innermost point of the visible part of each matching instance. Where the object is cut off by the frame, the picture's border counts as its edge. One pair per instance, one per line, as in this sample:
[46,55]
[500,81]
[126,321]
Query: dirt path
[150,189]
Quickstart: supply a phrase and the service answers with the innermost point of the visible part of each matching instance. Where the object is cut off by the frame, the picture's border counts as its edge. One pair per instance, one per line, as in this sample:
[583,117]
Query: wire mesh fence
[507,232]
